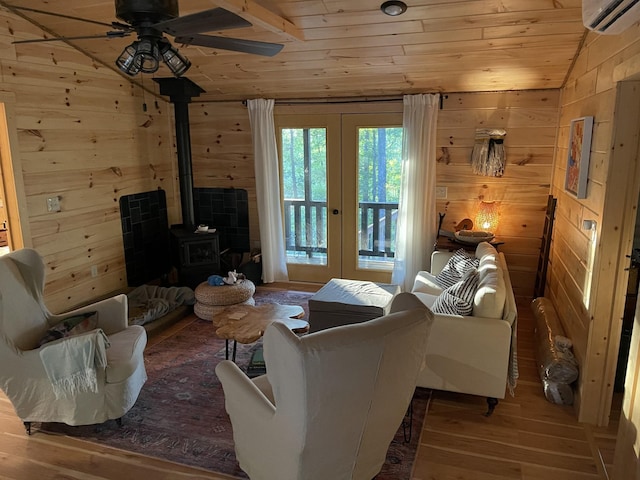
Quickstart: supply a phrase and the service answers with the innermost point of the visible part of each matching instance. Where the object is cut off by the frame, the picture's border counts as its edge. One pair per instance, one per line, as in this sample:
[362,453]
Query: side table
[451,244]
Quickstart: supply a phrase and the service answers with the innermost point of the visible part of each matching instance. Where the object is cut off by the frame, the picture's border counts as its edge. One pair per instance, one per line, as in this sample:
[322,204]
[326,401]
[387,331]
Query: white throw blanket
[513,373]
[71,363]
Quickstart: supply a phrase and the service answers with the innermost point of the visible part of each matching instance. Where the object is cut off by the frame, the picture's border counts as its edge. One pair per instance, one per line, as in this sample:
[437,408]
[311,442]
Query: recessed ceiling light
[393,8]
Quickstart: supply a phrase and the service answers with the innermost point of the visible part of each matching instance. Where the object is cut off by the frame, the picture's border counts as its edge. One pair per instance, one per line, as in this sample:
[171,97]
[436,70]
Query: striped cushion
[456,267]
[458,299]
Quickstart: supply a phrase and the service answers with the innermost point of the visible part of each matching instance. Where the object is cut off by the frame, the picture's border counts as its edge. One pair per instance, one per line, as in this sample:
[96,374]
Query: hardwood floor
[526,438]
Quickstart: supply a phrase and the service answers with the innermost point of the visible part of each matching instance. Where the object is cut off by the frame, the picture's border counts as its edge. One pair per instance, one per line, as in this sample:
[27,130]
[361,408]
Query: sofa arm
[112,314]
[439,259]
[467,355]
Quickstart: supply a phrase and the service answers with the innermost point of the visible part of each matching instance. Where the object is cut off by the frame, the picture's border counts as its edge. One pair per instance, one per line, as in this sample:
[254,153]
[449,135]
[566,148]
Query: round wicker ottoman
[207,312]
[209,298]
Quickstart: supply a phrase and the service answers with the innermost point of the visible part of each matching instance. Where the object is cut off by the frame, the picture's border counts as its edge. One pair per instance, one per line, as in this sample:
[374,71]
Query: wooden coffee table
[247,323]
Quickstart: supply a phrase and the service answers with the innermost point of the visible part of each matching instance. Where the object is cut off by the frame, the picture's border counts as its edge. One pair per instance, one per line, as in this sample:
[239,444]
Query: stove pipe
[180,91]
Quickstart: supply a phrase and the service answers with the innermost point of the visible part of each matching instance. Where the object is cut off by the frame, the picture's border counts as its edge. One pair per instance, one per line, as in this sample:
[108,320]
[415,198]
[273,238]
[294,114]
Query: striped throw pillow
[458,299]
[456,267]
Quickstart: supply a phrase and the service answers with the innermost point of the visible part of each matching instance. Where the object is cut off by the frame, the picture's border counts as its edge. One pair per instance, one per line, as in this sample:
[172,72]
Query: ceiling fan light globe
[178,68]
[126,61]
[147,63]
[147,55]
[177,63]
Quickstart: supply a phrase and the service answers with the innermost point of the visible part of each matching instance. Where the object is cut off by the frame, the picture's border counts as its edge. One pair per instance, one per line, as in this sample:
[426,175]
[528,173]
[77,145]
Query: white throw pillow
[460,263]
[425,282]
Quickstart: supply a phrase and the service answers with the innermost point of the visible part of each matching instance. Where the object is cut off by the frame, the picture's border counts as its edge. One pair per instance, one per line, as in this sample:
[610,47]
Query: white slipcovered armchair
[25,376]
[332,401]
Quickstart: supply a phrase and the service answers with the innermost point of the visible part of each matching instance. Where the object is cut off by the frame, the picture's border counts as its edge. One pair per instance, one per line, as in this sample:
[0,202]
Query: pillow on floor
[75,325]
[458,299]
[460,263]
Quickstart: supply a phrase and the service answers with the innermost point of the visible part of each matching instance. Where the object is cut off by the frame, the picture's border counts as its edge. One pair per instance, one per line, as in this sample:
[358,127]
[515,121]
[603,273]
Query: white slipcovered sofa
[474,354]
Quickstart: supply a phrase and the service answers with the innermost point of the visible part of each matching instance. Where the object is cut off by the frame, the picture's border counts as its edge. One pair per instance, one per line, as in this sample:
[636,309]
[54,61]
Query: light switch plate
[53,204]
[441,192]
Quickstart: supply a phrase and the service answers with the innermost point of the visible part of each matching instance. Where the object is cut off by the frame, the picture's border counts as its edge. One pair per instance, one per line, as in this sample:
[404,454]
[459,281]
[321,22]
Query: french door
[340,178]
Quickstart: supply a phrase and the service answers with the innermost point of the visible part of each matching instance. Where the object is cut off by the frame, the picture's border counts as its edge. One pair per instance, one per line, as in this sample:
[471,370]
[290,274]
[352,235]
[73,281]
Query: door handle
[335,211]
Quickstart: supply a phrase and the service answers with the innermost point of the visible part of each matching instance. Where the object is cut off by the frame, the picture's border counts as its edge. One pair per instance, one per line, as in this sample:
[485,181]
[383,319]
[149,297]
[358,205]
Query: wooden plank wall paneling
[594,328]
[222,153]
[530,119]
[223,157]
[83,136]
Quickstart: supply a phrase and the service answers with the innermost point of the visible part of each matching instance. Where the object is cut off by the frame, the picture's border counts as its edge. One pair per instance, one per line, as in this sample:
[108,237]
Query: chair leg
[492,403]
[27,427]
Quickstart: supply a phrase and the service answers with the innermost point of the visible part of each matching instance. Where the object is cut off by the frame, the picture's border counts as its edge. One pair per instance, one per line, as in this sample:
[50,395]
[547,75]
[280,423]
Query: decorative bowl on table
[473,237]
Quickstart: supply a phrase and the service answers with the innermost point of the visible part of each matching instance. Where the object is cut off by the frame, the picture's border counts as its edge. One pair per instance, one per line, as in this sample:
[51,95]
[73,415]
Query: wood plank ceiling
[351,49]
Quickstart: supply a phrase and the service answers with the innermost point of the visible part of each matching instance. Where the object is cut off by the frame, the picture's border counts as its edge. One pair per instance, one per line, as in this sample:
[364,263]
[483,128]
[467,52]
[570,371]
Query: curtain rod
[302,101]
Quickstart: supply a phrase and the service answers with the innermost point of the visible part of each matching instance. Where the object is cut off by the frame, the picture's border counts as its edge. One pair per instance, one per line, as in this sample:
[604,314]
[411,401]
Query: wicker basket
[207,312]
[225,294]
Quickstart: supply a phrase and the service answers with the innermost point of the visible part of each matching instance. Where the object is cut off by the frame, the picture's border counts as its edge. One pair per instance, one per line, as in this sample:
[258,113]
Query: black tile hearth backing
[227,210]
[145,231]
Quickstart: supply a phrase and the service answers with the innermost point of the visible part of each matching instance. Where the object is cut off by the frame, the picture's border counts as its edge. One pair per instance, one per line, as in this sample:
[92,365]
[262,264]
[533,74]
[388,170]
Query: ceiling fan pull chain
[144,95]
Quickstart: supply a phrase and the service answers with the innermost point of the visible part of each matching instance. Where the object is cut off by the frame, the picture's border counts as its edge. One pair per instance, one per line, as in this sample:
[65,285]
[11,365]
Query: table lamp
[487,216]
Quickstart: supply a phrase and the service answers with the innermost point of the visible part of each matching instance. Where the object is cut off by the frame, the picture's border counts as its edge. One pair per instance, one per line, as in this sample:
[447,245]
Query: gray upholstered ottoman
[341,302]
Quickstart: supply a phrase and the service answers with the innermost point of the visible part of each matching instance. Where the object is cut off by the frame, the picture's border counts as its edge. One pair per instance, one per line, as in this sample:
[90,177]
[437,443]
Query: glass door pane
[379,169]
[371,162]
[309,147]
[304,178]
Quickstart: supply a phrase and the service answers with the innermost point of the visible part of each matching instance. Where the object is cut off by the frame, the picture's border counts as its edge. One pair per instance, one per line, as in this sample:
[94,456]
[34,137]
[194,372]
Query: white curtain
[416,228]
[265,154]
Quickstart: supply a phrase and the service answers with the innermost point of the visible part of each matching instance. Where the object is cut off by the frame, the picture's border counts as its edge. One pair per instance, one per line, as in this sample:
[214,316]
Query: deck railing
[305,224]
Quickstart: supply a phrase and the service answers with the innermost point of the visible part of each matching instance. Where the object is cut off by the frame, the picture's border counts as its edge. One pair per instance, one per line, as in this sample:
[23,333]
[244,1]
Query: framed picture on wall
[578,156]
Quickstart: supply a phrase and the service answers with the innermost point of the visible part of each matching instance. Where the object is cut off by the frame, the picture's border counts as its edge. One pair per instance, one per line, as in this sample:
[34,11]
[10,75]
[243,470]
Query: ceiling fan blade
[207,21]
[234,44]
[61,15]
[112,34]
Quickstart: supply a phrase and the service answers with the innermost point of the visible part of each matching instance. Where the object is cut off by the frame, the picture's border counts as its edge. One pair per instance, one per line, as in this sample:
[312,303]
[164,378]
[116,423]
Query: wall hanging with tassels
[488,156]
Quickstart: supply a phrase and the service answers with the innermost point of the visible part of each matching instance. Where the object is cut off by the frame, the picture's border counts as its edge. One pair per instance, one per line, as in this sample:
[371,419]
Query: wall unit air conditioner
[610,17]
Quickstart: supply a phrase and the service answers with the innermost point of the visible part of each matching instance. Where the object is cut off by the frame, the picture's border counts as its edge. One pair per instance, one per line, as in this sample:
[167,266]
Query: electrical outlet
[53,204]
[94,271]
[441,192]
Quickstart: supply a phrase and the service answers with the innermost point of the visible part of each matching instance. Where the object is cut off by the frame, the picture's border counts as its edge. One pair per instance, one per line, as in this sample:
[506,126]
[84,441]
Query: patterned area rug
[180,414]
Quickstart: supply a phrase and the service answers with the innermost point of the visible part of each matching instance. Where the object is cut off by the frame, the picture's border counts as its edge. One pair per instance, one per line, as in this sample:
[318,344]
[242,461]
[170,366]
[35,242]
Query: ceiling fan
[149,19]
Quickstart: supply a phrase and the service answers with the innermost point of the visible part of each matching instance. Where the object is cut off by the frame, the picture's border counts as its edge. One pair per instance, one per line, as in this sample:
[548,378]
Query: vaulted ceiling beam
[262,17]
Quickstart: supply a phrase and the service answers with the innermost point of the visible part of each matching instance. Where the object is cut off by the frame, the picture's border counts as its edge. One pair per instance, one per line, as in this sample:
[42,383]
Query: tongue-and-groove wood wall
[223,156]
[82,135]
